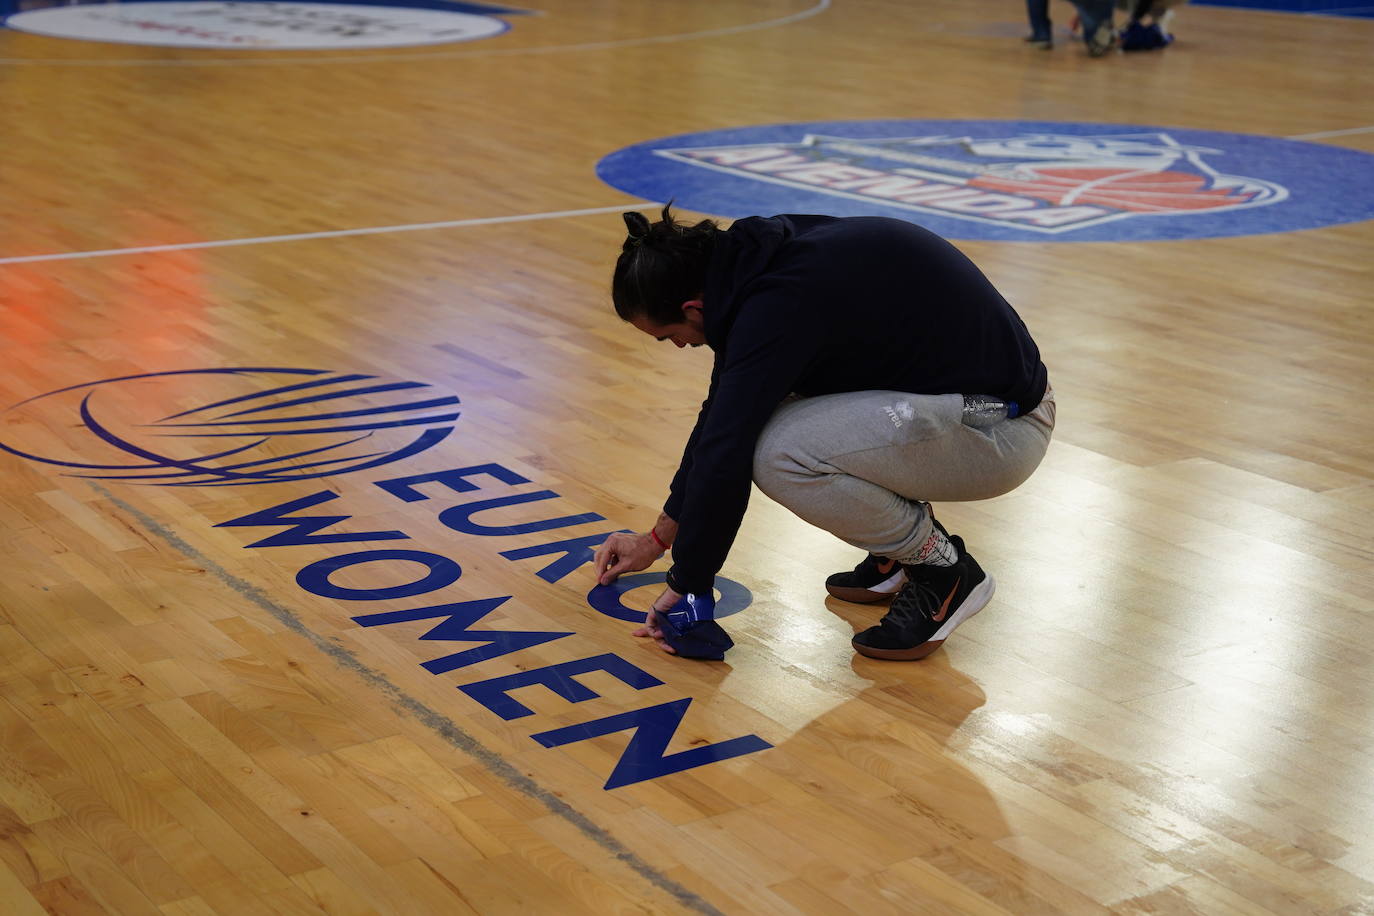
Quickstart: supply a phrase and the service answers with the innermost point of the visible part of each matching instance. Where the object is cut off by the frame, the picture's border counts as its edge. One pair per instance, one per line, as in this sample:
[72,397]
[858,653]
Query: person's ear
[694,305]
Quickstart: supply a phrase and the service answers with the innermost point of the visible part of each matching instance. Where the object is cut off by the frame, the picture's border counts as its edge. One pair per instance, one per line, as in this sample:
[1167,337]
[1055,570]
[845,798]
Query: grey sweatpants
[860,464]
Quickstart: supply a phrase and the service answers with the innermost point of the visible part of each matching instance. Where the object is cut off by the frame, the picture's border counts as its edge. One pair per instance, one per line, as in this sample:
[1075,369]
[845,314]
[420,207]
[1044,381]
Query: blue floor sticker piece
[1008,180]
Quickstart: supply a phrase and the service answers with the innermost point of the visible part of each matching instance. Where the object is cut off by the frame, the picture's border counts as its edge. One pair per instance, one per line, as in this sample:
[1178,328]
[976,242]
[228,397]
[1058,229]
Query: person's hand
[653,627]
[623,552]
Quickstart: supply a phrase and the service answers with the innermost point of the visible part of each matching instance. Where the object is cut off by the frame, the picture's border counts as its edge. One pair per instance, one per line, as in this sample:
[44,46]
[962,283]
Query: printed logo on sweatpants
[898,413]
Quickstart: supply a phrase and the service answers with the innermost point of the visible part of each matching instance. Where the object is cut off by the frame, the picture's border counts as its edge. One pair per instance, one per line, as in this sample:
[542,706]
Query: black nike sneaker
[874,579]
[934,601]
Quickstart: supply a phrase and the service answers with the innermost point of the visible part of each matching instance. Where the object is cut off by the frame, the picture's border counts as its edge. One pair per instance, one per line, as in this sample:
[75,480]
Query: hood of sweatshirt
[741,258]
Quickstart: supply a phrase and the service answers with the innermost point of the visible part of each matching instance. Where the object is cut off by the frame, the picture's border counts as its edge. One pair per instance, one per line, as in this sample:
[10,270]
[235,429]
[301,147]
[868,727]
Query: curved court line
[435,721]
[267,393]
[820,7]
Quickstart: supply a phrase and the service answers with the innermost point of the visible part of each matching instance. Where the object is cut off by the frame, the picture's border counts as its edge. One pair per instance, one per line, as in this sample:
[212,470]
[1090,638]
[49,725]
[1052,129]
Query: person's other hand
[623,552]
[653,627]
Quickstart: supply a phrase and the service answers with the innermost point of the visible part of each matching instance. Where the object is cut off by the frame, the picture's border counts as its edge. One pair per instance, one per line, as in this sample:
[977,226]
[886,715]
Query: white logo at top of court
[1044,182]
[257,25]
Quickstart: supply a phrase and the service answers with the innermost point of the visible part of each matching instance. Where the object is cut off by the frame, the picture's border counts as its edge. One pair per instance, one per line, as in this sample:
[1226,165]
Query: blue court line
[1306,7]
[432,719]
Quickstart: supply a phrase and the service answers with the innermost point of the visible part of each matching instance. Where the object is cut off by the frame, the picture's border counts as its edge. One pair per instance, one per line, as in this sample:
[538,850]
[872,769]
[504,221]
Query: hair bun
[638,226]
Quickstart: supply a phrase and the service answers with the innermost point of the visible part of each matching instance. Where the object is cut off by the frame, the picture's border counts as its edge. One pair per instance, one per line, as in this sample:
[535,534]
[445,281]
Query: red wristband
[657,540]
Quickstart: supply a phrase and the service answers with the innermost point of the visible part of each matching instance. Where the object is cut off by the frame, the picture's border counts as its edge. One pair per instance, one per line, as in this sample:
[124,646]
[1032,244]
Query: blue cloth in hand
[690,629]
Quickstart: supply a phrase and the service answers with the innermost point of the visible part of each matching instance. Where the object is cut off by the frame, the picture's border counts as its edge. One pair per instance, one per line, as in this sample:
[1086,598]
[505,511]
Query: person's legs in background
[1096,19]
[1042,31]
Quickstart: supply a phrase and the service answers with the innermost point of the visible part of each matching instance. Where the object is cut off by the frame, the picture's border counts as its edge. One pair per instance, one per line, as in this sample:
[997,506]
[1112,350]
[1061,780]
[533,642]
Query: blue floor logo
[265,425]
[1009,180]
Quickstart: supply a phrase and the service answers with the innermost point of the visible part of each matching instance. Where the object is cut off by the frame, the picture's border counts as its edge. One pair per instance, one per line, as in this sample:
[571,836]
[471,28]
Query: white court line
[820,7]
[304,236]
[1332,133]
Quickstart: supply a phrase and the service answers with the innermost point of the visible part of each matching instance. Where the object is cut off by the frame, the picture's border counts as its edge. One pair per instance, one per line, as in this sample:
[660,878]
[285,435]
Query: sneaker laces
[917,601]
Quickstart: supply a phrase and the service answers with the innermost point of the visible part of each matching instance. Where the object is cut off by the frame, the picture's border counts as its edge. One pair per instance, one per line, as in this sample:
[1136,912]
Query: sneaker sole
[975,602]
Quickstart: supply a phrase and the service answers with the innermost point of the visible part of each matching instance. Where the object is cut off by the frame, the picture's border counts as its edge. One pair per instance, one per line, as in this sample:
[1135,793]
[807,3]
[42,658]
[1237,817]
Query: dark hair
[661,266]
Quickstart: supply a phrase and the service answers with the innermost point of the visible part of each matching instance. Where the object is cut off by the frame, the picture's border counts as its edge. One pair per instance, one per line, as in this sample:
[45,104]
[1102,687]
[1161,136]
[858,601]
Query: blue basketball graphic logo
[227,427]
[1009,180]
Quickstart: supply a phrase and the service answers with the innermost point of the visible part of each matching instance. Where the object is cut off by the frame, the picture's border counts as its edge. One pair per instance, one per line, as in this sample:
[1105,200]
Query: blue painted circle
[731,597]
[1008,180]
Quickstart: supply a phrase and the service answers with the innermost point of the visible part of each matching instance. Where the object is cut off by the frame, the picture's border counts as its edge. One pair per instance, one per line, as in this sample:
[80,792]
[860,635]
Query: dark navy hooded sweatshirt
[820,305]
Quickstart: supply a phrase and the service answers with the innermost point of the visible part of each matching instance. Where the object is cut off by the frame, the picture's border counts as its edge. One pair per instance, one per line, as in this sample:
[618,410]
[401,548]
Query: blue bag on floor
[1140,37]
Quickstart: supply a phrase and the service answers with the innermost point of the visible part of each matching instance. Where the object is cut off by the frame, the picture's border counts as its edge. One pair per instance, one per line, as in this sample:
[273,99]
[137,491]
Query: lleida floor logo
[261,25]
[1009,180]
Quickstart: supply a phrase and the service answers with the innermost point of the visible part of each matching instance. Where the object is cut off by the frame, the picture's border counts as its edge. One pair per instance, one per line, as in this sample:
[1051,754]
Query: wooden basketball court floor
[1167,708]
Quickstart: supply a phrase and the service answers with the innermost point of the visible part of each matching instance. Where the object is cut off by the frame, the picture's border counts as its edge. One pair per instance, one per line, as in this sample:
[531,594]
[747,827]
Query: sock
[936,551]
